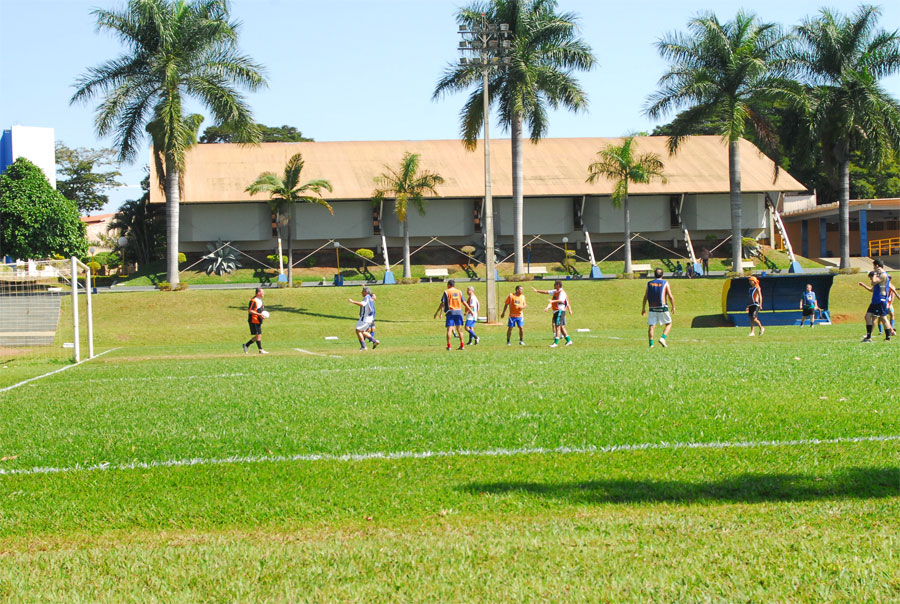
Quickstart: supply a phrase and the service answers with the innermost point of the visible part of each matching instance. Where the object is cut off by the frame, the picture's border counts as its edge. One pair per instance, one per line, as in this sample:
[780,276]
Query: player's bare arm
[644,305]
[668,295]
[864,286]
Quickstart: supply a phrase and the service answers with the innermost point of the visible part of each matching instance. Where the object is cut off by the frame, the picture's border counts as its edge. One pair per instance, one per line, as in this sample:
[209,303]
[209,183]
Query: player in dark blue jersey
[662,306]
[809,305]
[878,307]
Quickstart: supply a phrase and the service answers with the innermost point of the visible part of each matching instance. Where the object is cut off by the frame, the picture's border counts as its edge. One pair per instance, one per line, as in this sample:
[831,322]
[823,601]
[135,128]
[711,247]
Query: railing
[884,247]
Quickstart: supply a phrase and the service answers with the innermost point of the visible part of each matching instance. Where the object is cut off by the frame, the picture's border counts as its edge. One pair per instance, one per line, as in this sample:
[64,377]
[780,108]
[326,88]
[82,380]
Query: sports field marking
[60,370]
[318,354]
[170,377]
[388,455]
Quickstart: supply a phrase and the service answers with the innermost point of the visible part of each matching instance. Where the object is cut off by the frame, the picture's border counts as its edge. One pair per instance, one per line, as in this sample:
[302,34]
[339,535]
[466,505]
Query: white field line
[318,354]
[60,370]
[169,377]
[388,455]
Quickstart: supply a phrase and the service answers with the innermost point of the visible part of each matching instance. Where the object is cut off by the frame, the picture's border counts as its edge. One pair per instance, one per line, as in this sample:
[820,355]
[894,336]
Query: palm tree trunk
[627,236]
[518,197]
[173,199]
[407,273]
[734,181]
[842,154]
[290,247]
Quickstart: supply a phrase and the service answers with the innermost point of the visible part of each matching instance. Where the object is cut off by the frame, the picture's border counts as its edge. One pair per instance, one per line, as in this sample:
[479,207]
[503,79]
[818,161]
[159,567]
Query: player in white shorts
[662,304]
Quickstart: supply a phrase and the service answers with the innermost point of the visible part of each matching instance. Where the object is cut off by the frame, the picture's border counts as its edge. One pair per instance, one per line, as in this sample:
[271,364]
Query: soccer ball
[265,314]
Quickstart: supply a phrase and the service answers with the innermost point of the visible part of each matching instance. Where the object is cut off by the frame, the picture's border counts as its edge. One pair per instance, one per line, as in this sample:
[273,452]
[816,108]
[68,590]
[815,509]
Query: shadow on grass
[853,483]
[710,321]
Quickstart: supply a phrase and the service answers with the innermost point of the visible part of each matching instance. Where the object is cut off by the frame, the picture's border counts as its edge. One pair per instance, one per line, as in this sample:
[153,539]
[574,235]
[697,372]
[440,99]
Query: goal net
[45,310]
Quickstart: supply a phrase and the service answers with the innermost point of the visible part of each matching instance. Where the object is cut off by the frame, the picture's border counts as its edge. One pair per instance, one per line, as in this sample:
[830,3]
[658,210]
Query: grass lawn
[724,468]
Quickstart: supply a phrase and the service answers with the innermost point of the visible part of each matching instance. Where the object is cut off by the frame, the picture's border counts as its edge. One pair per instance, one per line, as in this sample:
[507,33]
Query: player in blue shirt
[365,325]
[878,307]
[662,304]
[809,305]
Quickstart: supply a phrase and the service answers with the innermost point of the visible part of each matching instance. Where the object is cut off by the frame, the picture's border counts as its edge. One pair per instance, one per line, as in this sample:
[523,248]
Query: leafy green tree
[284,192]
[724,74]
[621,164]
[36,221]
[143,224]
[406,185]
[270,134]
[841,59]
[880,183]
[77,180]
[177,49]
[544,53]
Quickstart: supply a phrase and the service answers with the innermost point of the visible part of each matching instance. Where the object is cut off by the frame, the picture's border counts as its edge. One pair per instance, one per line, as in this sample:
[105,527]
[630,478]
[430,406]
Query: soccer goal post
[41,315]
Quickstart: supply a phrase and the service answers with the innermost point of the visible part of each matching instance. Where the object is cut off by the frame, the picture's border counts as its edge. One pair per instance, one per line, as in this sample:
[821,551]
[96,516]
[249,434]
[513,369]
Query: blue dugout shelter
[781,299]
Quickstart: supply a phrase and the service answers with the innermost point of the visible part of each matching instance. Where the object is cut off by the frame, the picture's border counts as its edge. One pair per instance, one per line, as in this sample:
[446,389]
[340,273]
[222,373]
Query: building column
[863,234]
[823,238]
[804,238]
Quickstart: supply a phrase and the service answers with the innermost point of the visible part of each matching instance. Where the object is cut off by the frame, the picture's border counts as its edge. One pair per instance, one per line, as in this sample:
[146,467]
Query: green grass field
[724,468]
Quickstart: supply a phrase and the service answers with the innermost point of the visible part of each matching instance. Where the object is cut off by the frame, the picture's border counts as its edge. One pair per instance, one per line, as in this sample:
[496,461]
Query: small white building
[558,200]
[37,145]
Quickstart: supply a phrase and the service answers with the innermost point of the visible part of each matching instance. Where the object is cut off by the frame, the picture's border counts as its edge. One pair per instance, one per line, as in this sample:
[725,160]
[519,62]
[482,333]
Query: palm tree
[841,59]
[284,192]
[406,185]
[728,73]
[620,164]
[176,49]
[544,52]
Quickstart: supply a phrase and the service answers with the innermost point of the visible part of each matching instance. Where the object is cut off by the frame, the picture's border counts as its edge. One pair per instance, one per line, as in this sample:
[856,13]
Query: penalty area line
[388,455]
[54,372]
[318,354]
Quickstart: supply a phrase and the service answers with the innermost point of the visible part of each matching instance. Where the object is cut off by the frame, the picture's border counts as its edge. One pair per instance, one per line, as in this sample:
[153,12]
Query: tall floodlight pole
[486,45]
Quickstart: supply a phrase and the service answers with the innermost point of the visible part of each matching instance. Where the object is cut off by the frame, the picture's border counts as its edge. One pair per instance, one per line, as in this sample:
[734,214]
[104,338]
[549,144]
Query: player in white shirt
[472,315]
[559,302]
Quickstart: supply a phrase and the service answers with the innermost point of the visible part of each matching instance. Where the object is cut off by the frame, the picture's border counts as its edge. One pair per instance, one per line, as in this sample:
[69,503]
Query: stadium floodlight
[486,45]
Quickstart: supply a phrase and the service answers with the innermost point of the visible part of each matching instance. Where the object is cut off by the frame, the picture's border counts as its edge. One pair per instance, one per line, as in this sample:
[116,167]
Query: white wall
[351,220]
[229,221]
[713,212]
[649,213]
[542,216]
[443,218]
[37,145]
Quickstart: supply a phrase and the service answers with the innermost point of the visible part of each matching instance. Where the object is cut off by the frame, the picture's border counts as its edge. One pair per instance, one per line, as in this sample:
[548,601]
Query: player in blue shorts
[472,317]
[452,304]
[877,311]
[516,304]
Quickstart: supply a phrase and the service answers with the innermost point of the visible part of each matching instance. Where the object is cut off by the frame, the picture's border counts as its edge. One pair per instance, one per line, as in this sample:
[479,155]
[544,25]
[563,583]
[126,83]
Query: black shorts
[752,311]
[255,328]
[808,311]
[878,309]
[559,318]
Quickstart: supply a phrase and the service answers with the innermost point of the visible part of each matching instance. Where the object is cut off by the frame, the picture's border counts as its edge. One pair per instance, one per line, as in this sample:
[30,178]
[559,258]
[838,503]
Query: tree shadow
[711,321]
[852,483]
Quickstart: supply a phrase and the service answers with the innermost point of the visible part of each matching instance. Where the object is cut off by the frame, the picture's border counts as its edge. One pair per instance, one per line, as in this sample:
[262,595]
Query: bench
[643,269]
[536,270]
[747,264]
[435,273]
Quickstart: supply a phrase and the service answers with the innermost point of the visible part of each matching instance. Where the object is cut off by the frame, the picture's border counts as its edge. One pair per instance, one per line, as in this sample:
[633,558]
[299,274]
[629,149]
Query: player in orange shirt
[452,304]
[516,304]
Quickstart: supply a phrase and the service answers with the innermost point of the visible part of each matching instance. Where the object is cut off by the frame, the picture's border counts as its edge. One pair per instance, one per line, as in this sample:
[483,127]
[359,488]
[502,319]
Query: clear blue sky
[356,70]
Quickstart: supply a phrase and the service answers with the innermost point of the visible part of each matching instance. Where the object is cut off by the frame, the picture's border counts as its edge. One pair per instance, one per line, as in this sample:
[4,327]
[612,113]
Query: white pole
[74,282]
[90,315]
[590,248]
[387,265]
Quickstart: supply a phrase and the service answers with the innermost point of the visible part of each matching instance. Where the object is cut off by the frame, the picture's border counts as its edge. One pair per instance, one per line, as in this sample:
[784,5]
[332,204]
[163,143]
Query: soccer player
[877,310]
[365,327]
[810,305]
[662,304]
[452,304]
[472,316]
[559,302]
[755,305]
[515,302]
[255,319]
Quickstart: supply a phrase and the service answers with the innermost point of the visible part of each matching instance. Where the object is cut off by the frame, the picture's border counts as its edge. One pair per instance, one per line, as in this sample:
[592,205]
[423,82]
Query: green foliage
[310,262]
[35,220]
[273,259]
[520,277]
[143,225]
[164,286]
[181,258]
[221,259]
[270,134]
[94,266]
[366,253]
[77,180]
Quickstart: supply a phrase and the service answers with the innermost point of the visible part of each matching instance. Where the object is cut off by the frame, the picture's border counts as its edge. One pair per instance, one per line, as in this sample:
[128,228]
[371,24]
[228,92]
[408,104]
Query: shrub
[844,271]
[181,286]
[273,259]
[520,277]
[366,253]
[94,266]
[310,262]
[407,280]
[164,286]
[626,276]
[181,258]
